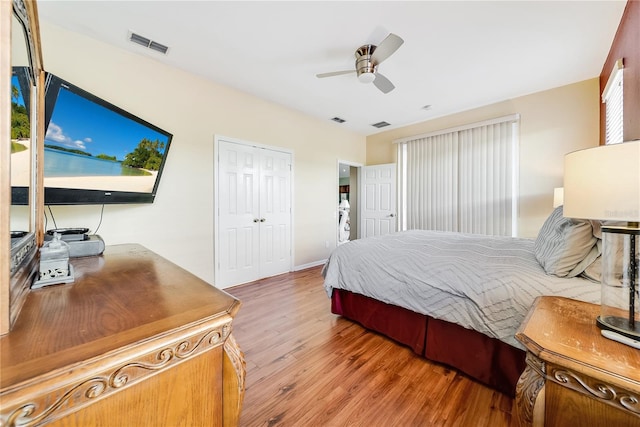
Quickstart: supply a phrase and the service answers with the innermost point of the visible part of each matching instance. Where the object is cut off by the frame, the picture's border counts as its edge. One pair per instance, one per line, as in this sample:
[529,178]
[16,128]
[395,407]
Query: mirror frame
[18,267]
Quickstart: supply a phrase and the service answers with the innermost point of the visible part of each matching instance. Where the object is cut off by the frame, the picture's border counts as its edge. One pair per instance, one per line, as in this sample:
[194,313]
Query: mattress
[482,283]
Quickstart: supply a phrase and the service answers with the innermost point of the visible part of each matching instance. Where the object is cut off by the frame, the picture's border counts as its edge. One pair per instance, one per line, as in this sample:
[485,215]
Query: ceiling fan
[368,57]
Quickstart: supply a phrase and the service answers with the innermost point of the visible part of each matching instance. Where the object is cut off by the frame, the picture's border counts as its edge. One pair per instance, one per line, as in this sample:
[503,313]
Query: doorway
[377,200]
[348,198]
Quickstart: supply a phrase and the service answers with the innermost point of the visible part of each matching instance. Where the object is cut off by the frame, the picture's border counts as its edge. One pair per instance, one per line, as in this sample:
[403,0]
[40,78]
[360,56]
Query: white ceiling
[456,55]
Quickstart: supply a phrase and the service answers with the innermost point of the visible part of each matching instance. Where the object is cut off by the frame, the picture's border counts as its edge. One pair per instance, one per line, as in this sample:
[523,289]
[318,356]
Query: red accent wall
[626,45]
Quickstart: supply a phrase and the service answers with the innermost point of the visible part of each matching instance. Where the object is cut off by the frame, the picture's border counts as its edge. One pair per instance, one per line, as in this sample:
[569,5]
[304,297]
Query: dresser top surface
[564,331]
[122,297]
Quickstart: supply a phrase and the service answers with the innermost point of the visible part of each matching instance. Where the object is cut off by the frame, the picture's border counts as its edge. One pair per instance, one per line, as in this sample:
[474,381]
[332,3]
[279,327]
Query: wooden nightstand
[575,376]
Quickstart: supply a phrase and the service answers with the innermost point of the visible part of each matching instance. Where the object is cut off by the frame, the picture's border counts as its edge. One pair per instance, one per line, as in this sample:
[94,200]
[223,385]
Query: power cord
[52,218]
[46,220]
[99,223]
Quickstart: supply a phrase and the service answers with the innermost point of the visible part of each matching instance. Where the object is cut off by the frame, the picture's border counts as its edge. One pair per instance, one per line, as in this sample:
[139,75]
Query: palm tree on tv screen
[146,155]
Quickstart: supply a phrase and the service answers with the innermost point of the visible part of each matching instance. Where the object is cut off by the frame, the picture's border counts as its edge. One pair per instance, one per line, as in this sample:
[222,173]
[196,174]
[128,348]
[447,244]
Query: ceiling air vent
[338,120]
[380,124]
[148,43]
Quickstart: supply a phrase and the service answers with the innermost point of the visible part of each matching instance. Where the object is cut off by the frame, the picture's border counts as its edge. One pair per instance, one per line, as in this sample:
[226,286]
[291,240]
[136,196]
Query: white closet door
[378,200]
[275,212]
[254,213]
[238,254]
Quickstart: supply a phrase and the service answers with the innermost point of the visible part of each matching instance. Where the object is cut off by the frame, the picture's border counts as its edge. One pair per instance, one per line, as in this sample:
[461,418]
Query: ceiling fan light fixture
[366,77]
[368,57]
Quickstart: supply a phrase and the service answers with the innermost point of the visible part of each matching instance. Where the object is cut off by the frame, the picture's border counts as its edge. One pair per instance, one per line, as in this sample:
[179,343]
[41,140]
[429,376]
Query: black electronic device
[66,231]
[95,152]
[68,234]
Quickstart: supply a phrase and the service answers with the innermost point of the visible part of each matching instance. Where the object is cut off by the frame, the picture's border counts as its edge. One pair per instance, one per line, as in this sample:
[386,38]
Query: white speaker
[94,245]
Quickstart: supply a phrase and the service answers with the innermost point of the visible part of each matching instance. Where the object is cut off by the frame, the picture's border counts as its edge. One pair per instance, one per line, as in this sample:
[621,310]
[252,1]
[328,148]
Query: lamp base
[619,325]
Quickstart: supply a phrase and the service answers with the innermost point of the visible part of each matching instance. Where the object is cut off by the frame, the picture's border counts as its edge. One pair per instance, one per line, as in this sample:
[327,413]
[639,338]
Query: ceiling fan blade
[334,73]
[383,83]
[386,48]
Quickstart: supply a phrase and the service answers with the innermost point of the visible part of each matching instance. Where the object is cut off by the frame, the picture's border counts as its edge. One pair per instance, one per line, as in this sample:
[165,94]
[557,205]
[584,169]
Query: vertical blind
[462,179]
[612,97]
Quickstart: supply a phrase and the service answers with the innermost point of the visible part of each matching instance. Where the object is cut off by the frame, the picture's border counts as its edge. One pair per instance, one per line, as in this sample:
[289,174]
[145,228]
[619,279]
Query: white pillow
[565,246]
[594,270]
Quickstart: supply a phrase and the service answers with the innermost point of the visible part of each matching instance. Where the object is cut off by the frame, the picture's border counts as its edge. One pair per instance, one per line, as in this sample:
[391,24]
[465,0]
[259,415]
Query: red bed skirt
[488,360]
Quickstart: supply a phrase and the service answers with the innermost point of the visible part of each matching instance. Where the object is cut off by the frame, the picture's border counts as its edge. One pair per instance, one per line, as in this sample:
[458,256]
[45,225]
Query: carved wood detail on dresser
[135,340]
[574,376]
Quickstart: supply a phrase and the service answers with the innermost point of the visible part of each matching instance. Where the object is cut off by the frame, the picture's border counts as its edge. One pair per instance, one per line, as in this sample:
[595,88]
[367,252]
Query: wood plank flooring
[308,367]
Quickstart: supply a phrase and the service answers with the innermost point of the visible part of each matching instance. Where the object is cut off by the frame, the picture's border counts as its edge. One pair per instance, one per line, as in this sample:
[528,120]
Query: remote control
[621,338]
[63,231]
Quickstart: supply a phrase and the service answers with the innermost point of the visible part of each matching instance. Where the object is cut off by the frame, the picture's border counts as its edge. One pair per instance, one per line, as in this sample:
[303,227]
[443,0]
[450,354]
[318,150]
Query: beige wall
[180,224]
[552,123]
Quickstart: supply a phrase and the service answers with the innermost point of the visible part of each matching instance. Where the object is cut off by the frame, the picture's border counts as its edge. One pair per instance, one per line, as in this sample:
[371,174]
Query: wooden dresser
[134,341]
[575,376]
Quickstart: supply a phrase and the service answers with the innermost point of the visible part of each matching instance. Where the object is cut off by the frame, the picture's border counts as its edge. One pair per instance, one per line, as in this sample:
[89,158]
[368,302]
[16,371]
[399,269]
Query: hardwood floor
[309,367]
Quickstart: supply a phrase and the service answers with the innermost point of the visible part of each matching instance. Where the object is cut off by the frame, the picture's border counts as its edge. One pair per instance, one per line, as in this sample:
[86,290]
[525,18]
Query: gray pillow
[565,246]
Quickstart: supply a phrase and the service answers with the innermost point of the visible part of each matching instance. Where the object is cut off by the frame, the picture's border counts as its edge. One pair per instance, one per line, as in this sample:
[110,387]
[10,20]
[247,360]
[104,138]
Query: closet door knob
[256,220]
[262,220]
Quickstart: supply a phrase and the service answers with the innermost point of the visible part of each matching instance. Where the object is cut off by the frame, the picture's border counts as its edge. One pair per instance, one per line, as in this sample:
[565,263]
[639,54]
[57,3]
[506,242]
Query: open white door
[378,200]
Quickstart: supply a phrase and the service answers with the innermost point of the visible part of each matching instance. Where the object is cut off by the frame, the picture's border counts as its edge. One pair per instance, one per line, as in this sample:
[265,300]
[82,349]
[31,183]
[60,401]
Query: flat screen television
[95,152]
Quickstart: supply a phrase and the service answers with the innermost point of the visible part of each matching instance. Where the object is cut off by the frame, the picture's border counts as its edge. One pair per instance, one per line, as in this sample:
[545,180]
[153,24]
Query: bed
[458,298]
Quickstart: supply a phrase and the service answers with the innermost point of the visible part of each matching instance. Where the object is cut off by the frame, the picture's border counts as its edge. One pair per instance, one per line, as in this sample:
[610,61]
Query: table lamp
[558,196]
[603,183]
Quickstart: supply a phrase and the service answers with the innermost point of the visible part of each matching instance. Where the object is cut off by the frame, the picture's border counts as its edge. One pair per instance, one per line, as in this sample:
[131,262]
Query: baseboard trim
[309,265]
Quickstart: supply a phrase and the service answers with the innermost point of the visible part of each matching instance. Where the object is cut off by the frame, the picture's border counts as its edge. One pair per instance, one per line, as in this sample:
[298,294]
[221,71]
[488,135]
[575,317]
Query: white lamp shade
[366,77]
[603,183]
[558,196]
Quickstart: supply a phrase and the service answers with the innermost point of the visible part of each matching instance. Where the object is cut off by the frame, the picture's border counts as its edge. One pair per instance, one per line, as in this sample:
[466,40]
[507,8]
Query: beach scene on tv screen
[89,146]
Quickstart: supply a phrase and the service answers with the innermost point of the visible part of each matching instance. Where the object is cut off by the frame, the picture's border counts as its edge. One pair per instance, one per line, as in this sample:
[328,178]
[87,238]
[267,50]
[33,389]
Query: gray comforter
[484,283]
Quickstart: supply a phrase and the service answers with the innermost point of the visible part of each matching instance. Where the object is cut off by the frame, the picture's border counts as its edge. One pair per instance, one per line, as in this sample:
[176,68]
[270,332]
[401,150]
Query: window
[462,179]
[612,97]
